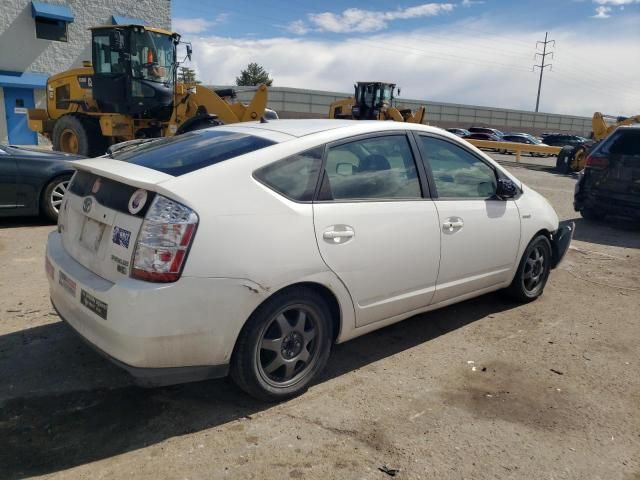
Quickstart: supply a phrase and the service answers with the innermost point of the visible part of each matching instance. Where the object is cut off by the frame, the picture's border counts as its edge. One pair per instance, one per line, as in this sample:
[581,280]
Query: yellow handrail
[518,148]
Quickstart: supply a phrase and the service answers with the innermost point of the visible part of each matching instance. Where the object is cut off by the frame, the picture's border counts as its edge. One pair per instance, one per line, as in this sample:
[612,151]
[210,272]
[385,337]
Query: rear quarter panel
[34,173]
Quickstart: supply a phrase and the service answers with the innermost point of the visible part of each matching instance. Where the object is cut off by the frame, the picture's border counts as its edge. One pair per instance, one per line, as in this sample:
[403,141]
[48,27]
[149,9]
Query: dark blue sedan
[33,182]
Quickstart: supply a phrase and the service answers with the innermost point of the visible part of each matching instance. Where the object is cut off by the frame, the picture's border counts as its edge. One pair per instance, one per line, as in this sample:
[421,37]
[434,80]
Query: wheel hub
[292,345]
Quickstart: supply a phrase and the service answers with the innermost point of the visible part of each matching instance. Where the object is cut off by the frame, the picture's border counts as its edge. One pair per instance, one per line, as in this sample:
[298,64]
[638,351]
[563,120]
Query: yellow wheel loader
[374,101]
[573,158]
[130,91]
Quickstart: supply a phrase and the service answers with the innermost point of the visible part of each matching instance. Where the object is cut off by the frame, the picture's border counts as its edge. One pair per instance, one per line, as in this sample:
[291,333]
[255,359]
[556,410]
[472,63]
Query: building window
[50,29]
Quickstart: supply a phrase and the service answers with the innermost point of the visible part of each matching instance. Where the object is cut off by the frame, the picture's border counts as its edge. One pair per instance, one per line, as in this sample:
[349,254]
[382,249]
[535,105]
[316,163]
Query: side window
[294,177]
[456,172]
[48,29]
[371,168]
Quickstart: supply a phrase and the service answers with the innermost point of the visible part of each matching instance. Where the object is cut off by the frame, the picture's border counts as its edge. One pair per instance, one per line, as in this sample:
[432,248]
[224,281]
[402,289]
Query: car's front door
[8,180]
[480,234]
[374,227]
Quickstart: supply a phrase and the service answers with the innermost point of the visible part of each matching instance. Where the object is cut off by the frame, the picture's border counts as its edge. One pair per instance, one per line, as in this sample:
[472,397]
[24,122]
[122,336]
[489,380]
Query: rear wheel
[79,135]
[565,158]
[52,195]
[533,271]
[284,345]
[591,214]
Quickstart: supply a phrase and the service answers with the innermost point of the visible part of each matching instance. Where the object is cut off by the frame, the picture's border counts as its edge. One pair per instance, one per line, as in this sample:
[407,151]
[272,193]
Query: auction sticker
[92,303]
[137,201]
[121,237]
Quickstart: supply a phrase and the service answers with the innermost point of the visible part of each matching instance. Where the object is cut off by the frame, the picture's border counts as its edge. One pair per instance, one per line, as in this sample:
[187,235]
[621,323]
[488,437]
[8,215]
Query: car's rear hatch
[622,175]
[103,211]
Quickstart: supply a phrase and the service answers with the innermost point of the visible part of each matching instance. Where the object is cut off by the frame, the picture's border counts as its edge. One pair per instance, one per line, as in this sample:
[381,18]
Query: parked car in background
[561,139]
[253,248]
[490,137]
[32,181]
[610,181]
[527,139]
[460,132]
[491,131]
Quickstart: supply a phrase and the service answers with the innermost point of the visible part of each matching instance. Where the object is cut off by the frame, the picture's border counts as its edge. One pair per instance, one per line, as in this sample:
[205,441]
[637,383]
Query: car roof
[304,127]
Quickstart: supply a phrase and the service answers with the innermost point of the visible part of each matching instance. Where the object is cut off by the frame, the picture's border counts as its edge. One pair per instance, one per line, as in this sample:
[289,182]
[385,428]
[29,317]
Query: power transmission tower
[543,63]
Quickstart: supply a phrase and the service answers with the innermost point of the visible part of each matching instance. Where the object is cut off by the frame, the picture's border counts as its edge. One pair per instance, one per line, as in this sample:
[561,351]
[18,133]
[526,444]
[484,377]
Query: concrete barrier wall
[302,103]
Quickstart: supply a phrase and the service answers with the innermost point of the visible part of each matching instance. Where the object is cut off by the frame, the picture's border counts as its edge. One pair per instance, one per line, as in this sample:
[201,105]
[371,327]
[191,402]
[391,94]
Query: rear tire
[78,135]
[592,214]
[283,346]
[533,271]
[52,195]
[565,157]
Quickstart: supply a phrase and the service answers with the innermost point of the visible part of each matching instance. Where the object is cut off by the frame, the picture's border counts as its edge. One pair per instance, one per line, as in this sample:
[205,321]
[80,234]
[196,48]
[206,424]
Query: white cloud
[469,3]
[458,63]
[615,2]
[602,12]
[298,27]
[196,25]
[358,20]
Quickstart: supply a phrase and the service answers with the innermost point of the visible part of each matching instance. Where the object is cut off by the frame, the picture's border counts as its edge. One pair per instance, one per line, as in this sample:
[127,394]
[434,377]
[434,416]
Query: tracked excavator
[573,158]
[374,101]
[130,90]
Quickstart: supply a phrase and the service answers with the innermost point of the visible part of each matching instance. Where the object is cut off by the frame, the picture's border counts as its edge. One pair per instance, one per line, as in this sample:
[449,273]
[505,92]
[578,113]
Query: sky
[476,52]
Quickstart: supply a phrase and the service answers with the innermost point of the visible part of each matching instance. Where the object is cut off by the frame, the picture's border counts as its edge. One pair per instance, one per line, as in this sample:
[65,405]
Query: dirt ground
[486,389]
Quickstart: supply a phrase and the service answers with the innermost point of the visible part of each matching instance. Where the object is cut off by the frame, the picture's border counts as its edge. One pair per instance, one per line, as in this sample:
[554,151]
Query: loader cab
[134,70]
[371,98]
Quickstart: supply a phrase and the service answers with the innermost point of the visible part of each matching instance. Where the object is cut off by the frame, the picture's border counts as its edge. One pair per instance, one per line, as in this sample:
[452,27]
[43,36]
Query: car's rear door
[480,234]
[374,227]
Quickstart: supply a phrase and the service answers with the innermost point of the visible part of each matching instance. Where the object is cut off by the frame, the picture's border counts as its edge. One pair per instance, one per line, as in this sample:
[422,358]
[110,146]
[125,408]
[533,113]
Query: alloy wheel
[534,269]
[288,346]
[57,194]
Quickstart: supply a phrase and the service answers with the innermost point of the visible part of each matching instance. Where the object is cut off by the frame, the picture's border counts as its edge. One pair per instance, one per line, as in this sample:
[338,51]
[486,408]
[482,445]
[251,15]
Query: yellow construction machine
[573,158]
[374,101]
[130,90]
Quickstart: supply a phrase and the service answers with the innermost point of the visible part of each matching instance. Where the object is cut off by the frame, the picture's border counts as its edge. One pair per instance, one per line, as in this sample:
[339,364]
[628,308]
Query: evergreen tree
[253,75]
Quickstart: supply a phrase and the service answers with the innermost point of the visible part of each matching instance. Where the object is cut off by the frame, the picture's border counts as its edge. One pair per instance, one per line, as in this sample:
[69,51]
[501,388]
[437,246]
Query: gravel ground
[486,389]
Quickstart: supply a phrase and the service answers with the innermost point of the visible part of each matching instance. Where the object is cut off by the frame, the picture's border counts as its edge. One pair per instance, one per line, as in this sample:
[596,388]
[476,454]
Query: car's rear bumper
[156,377]
[152,329]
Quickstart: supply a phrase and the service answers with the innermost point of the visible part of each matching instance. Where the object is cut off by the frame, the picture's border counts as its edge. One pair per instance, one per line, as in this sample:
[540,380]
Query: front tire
[533,271]
[592,214]
[284,345]
[78,135]
[52,195]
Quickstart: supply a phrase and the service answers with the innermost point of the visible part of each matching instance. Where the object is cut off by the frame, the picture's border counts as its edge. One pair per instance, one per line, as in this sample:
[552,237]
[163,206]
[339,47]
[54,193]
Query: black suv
[610,182]
[562,139]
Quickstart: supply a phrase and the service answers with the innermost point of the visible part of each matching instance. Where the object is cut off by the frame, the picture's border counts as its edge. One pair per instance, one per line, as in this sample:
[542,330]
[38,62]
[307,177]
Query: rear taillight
[597,162]
[163,241]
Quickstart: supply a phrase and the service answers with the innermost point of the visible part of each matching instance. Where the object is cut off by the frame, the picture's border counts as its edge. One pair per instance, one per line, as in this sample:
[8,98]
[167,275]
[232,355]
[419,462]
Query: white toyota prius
[251,249]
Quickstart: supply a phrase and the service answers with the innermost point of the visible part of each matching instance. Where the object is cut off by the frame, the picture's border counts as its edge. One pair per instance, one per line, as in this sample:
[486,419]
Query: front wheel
[284,345]
[533,271]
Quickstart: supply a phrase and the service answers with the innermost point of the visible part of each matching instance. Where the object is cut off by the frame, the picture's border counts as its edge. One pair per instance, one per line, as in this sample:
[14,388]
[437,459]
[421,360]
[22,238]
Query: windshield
[192,151]
[152,56]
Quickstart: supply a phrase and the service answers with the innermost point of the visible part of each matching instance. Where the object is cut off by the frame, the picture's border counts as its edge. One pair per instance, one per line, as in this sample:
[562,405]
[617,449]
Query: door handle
[338,234]
[452,224]
[330,235]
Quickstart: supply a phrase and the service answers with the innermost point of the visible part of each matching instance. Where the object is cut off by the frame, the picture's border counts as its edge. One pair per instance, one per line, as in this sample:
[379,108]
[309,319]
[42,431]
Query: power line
[543,66]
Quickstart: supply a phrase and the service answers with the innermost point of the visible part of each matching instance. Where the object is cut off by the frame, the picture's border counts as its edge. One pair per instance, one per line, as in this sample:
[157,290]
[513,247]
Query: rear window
[622,143]
[192,151]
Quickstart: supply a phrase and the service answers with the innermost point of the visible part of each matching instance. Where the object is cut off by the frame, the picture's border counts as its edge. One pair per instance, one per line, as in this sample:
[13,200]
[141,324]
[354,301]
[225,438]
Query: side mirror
[116,39]
[344,169]
[506,188]
[189,51]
